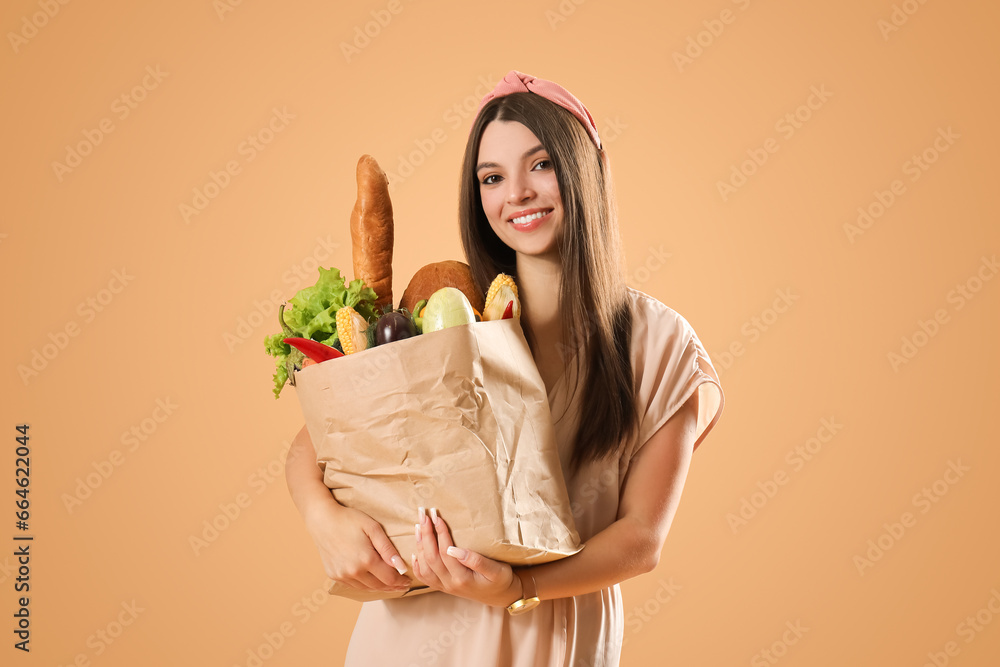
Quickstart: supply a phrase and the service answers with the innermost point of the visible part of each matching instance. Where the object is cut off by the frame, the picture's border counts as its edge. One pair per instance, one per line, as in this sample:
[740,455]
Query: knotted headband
[519,82]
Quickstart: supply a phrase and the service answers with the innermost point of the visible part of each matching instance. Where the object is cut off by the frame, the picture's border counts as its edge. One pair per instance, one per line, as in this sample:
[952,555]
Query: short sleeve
[670,365]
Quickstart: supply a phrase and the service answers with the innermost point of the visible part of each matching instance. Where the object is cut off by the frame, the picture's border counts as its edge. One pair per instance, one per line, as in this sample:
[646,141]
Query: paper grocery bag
[456,419]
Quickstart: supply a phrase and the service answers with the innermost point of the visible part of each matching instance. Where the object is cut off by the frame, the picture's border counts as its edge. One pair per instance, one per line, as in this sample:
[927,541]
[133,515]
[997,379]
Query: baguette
[372,231]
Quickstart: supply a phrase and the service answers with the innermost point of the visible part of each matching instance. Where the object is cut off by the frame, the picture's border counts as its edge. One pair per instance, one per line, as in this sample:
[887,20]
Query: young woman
[631,389]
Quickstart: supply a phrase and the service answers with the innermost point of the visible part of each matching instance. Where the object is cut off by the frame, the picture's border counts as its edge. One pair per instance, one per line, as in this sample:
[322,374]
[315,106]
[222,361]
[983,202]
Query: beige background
[183,319]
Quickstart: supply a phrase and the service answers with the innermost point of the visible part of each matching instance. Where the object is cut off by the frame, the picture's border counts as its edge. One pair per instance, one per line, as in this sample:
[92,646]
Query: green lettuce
[313,314]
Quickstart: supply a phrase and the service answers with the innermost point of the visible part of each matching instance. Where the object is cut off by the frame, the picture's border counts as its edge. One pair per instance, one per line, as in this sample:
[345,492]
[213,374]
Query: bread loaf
[431,278]
[372,232]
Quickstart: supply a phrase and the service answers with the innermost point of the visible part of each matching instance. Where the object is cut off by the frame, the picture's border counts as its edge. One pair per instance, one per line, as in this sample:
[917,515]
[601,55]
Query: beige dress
[670,364]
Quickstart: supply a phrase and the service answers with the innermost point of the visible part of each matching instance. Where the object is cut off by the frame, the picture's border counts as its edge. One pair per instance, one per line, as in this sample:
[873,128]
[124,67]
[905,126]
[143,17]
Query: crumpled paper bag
[456,419]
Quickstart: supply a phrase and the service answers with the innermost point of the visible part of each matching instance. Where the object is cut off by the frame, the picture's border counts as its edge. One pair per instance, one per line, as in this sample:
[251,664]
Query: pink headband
[518,82]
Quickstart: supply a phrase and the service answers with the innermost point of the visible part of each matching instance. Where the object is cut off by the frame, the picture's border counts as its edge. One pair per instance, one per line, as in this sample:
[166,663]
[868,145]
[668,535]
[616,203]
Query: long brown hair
[594,307]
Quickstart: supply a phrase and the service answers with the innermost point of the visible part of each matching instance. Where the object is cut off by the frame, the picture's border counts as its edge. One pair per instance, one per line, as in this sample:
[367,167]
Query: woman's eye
[546,164]
[488,180]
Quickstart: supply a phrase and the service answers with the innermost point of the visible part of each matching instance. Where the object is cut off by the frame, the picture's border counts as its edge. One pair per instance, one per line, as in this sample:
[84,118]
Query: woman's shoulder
[670,363]
[650,313]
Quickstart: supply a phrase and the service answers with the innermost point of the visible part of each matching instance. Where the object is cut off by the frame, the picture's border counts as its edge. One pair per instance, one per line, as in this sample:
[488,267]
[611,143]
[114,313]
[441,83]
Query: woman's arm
[353,547]
[305,479]
[632,544]
[628,547]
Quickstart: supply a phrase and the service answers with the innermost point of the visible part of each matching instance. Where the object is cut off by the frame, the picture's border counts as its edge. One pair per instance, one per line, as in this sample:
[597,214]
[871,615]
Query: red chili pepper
[313,349]
[508,311]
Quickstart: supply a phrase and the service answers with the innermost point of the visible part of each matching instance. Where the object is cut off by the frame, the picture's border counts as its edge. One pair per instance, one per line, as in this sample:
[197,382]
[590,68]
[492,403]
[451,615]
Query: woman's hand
[443,566]
[355,550]
[353,547]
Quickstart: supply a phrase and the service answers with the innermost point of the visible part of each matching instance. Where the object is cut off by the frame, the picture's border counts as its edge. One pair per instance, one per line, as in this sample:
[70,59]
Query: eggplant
[394,326]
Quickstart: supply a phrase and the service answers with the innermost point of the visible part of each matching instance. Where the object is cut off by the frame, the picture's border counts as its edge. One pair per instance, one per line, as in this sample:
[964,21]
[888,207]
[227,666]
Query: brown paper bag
[456,419]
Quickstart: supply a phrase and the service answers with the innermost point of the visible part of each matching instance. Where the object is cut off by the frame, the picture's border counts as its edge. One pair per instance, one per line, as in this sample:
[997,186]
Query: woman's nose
[519,190]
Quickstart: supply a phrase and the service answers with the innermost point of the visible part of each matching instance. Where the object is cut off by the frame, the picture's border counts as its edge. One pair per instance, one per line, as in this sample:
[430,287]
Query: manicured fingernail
[455,552]
[434,515]
[420,514]
[416,531]
[397,563]
[413,560]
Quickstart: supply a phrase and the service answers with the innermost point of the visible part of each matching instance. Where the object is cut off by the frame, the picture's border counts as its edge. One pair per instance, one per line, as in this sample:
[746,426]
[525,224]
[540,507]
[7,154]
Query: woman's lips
[531,224]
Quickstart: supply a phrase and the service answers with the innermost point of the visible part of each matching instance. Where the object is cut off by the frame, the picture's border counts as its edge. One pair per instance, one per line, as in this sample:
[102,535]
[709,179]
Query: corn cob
[351,328]
[502,291]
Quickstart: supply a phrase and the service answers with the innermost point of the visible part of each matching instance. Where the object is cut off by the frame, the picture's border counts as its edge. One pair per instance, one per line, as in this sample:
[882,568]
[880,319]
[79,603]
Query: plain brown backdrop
[141,315]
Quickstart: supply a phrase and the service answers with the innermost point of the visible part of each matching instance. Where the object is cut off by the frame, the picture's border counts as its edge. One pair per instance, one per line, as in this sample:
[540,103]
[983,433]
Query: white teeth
[528,218]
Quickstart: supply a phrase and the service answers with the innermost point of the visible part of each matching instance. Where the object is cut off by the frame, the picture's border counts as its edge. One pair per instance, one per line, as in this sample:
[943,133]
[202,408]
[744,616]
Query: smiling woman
[631,392]
[519,190]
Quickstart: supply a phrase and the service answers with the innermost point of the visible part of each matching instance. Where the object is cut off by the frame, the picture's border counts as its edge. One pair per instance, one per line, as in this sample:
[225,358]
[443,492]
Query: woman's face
[517,183]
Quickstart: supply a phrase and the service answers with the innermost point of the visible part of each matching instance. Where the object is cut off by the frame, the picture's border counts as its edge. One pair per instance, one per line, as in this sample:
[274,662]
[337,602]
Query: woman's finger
[422,546]
[458,570]
[390,557]
[430,557]
[368,582]
[425,575]
[487,568]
